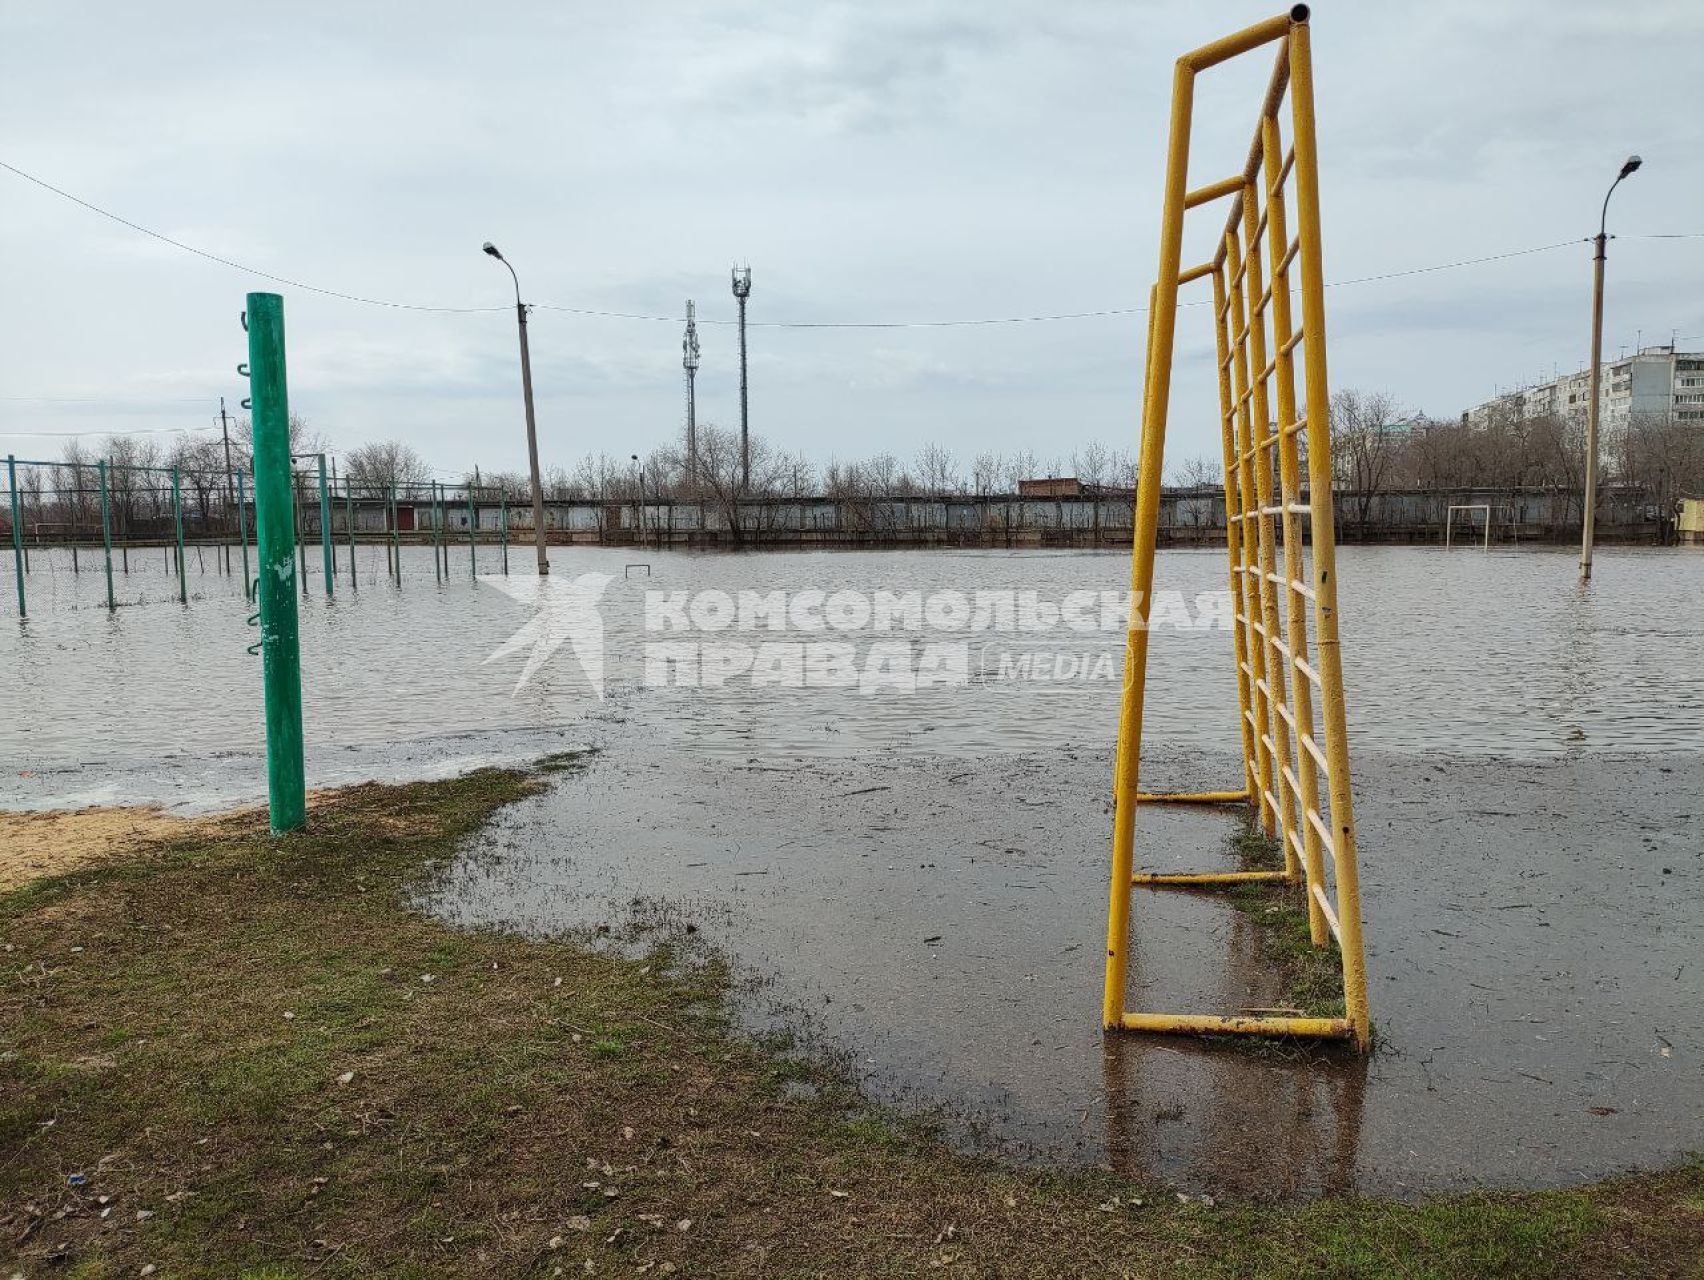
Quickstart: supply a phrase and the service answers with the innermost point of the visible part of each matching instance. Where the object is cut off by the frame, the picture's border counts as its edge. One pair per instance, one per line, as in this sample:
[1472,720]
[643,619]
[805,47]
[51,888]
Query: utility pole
[1589,514]
[532,425]
[689,361]
[742,291]
[230,497]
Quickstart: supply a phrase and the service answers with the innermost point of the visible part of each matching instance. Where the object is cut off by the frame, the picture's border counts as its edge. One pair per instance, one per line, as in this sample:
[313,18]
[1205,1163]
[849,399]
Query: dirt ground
[52,843]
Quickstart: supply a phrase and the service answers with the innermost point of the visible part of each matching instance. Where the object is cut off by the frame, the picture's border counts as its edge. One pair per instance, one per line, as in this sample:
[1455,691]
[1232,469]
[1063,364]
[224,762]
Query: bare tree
[1198,472]
[1364,442]
[938,471]
[374,469]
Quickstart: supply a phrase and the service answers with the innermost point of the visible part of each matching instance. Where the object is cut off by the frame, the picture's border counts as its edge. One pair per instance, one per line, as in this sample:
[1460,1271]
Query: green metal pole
[296,528]
[396,545]
[328,563]
[503,518]
[281,659]
[177,517]
[106,531]
[349,525]
[242,530]
[472,550]
[17,533]
[437,534]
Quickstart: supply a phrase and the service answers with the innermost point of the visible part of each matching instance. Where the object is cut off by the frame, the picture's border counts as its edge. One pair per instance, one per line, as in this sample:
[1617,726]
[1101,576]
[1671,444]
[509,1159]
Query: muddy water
[917,881]
[1533,941]
[1462,653]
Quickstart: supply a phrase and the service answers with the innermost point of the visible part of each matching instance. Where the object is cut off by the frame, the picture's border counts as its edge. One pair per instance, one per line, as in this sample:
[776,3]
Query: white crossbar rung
[1324,835]
[1313,750]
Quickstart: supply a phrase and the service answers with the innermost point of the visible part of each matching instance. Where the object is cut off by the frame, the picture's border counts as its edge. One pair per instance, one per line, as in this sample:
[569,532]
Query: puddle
[939,926]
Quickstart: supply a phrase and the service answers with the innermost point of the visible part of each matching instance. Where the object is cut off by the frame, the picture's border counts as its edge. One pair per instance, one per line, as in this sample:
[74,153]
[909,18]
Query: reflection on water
[1457,652]
[1194,1115]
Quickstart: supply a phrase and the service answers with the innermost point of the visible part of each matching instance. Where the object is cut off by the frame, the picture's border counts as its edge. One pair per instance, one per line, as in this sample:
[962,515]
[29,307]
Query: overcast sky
[923,160]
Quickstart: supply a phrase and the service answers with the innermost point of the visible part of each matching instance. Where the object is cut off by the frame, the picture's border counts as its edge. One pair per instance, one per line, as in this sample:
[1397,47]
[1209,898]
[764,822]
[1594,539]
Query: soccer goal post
[1449,523]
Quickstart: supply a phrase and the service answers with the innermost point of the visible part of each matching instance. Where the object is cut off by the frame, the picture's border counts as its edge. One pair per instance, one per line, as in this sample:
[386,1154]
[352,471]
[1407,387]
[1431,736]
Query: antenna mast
[689,362]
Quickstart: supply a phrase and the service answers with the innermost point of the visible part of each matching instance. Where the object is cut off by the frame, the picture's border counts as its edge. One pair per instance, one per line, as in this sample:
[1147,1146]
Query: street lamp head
[492,250]
[1633,162]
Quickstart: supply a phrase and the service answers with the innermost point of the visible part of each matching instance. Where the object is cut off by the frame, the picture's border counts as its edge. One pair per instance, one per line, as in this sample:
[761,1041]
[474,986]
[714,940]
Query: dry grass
[538,1109]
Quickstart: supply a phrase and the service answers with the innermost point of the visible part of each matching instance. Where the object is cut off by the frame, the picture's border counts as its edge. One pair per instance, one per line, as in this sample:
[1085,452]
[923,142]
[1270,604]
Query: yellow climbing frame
[1287,750]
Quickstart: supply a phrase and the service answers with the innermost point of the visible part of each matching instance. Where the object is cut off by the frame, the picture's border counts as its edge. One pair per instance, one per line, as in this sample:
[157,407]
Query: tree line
[1377,448]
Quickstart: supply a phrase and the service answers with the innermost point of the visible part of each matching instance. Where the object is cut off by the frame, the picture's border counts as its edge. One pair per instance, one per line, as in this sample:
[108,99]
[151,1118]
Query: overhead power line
[767,324]
[227,262]
[134,431]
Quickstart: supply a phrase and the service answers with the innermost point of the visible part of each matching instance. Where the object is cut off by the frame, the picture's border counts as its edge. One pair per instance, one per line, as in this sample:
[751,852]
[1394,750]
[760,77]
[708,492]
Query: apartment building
[1657,382]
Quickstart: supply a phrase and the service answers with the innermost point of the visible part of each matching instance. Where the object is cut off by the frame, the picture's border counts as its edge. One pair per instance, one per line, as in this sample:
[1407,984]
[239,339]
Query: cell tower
[742,291]
[689,362]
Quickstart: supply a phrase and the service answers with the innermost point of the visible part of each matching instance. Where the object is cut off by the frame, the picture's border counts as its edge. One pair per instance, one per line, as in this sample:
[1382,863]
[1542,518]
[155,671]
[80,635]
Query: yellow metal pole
[1260,414]
[1324,535]
[1242,41]
[1144,539]
[1233,532]
[1209,1024]
[1208,878]
[1147,368]
[1259,696]
[1289,479]
[1191,797]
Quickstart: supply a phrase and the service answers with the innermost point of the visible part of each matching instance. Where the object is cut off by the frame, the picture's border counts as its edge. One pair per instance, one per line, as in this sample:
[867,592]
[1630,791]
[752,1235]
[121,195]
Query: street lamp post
[742,291]
[532,422]
[1589,513]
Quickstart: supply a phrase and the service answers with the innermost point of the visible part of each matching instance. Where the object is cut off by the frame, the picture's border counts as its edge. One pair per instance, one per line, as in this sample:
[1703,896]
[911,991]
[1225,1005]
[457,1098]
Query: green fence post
[177,519]
[328,564]
[472,548]
[242,532]
[17,533]
[503,523]
[349,527]
[395,542]
[106,531]
[296,525]
[274,520]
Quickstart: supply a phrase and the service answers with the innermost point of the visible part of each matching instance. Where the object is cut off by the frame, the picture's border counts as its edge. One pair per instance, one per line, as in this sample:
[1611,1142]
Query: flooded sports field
[904,854]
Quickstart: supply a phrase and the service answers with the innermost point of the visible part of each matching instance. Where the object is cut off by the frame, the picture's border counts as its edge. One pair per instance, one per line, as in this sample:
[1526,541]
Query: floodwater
[916,880]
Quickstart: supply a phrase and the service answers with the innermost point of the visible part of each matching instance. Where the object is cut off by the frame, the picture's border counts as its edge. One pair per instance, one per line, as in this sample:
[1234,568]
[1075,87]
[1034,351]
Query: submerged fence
[108,516]
[107,512]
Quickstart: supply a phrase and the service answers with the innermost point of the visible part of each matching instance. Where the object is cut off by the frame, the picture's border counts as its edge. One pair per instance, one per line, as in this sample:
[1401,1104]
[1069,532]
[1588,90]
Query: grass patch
[1310,977]
[248,1056]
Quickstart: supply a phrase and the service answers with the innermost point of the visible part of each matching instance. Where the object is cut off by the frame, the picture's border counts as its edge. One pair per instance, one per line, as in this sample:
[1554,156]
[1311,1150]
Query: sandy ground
[36,845]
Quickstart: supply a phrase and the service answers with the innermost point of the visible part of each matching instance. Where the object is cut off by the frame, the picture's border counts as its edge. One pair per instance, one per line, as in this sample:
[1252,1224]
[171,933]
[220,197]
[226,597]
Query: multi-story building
[1658,382]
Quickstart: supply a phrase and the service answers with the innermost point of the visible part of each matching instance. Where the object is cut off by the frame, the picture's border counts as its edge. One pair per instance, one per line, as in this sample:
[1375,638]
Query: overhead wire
[1096,313]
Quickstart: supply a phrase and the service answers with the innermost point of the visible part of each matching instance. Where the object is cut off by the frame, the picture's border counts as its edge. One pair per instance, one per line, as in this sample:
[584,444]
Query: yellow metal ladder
[1289,684]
